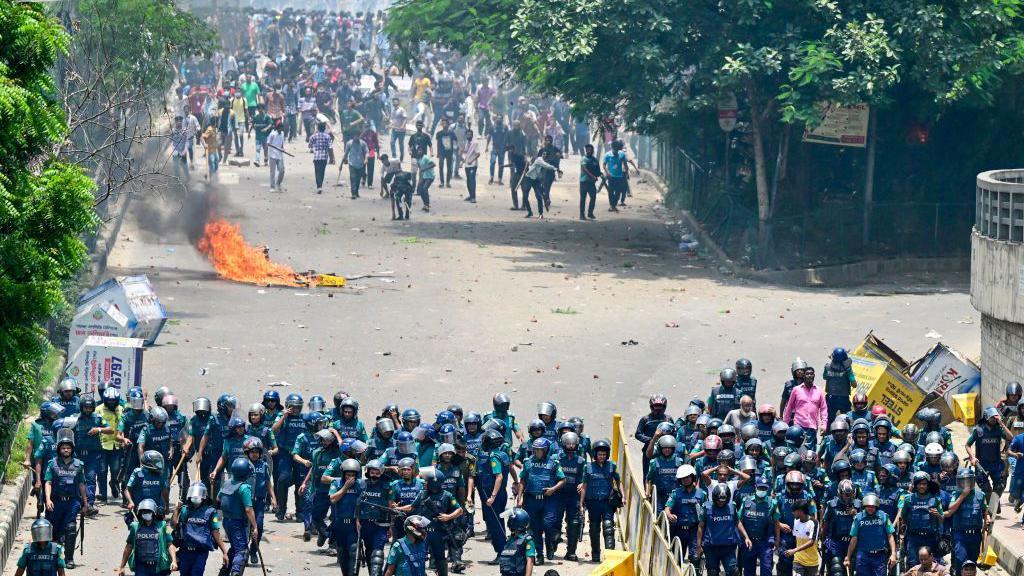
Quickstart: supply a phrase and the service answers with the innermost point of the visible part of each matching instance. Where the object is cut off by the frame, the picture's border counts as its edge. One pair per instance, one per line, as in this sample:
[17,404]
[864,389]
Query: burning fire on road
[235,259]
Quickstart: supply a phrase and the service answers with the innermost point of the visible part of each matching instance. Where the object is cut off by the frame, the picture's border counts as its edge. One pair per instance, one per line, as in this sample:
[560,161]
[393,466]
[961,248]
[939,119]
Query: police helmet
[416,525]
[88,401]
[406,463]
[765,409]
[445,448]
[445,417]
[317,403]
[933,450]
[68,384]
[312,421]
[727,375]
[753,443]
[658,400]
[201,404]
[272,396]
[577,424]
[547,409]
[839,466]
[779,427]
[226,404]
[158,395]
[374,464]
[411,416]
[241,469]
[349,402]
[902,457]
[712,442]
[1013,389]
[949,462]
[858,456]
[726,456]
[860,399]
[501,402]
[989,412]
[780,452]
[714,424]
[519,520]
[870,499]
[744,367]
[721,494]
[684,471]
[385,426]
[147,509]
[447,433]
[847,487]
[152,460]
[794,477]
[748,464]
[251,444]
[472,418]
[702,420]
[727,430]
[112,396]
[158,415]
[424,432]
[665,428]
[570,441]
[692,410]
[197,493]
[405,442]
[797,365]
[920,476]
[293,401]
[42,531]
[840,356]
[792,460]
[670,442]
[601,445]
[748,431]
[65,436]
[493,439]
[235,423]
[543,444]
[351,465]
[795,436]
[326,437]
[257,408]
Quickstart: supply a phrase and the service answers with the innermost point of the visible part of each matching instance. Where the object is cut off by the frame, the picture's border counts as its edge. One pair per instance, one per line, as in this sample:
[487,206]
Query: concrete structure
[997,278]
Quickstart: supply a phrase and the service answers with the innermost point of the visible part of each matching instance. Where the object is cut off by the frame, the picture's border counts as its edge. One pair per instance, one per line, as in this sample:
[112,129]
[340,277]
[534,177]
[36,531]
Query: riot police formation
[742,491]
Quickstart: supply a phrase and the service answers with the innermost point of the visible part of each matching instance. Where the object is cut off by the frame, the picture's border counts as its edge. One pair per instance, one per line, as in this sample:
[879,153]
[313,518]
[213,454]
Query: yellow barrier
[616,563]
[642,530]
[963,407]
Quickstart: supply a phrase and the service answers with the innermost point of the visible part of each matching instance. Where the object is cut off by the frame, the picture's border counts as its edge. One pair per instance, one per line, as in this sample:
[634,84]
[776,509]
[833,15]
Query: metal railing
[1000,205]
[642,530]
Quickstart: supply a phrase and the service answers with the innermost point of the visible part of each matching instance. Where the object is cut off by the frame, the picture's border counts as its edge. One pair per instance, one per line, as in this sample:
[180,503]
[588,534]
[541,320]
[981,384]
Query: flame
[233,258]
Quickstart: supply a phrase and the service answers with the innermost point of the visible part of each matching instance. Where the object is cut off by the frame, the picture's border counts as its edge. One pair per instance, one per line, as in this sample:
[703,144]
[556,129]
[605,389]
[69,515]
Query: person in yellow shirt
[421,86]
[110,411]
[805,556]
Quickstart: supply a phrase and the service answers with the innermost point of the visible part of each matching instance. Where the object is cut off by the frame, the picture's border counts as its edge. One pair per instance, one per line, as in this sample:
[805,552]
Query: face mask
[761,493]
[146,516]
[196,501]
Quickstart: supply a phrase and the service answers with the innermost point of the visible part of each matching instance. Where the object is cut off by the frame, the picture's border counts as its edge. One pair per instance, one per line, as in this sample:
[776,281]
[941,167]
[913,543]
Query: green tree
[45,205]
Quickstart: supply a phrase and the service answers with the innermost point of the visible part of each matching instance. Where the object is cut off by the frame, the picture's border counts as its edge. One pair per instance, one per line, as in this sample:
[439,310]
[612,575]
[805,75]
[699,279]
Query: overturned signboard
[887,385]
[135,299]
[104,359]
[944,372]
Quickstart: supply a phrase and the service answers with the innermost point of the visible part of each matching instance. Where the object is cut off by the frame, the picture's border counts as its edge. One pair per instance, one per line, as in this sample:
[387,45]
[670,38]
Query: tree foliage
[45,205]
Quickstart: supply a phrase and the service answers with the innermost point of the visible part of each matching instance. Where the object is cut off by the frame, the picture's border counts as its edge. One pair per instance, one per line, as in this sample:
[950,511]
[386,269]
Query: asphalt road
[476,299]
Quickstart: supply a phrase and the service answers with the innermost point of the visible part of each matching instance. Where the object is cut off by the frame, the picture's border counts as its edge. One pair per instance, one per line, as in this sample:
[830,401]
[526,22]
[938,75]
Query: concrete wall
[997,291]
[996,273]
[1002,357]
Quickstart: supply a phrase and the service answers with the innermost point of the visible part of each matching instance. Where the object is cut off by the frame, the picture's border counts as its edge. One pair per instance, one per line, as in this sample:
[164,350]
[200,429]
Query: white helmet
[684,471]
[933,449]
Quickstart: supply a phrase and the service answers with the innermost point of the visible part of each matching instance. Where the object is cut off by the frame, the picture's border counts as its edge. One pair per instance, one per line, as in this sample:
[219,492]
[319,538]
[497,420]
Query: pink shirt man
[806,408]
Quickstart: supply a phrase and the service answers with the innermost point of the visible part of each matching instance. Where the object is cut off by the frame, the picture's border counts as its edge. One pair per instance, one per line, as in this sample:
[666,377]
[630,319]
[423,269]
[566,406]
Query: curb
[848,274]
[1009,558]
[13,499]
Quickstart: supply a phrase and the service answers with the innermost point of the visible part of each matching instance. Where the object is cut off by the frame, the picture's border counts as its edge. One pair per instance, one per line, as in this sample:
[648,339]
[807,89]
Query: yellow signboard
[873,347]
[884,384]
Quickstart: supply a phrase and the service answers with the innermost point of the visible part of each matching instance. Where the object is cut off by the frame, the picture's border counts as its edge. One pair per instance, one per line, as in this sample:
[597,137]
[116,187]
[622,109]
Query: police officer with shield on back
[519,555]
[43,556]
[199,524]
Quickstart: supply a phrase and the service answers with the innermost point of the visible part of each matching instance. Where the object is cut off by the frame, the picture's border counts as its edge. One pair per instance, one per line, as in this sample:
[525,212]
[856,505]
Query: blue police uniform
[838,382]
[923,529]
[143,484]
[872,532]
[838,521]
[403,493]
[235,497]
[41,560]
[89,450]
[662,474]
[344,535]
[259,481]
[373,520]
[410,558]
[573,466]
[288,474]
[318,500]
[490,468]
[158,438]
[133,422]
[349,428]
[758,518]
[71,406]
[216,429]
[968,521]
[66,479]
[537,476]
[746,386]
[784,503]
[600,479]
[197,527]
[720,537]
[988,442]
[149,548]
[686,505]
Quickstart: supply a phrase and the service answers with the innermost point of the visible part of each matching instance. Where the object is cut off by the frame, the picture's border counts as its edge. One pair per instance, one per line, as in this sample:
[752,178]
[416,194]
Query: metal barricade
[643,530]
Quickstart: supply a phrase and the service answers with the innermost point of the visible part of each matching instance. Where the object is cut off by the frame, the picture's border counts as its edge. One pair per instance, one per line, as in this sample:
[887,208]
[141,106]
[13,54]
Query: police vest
[375,495]
[540,475]
[322,459]
[71,407]
[415,557]
[837,380]
[197,428]
[42,562]
[920,522]
[347,428]
[147,544]
[747,387]
[685,505]
[572,467]
[231,500]
[665,474]
[147,484]
[485,477]
[65,481]
[888,497]
[726,399]
[970,515]
[720,524]
[159,439]
[863,479]
[259,480]
[785,503]
[884,451]
[988,443]
[474,443]
[264,433]
[345,509]
[840,519]
[406,492]
[290,430]
[217,427]
[512,559]
[84,443]
[134,423]
[757,517]
[197,532]
[452,476]
[599,481]
[872,531]
[551,432]
[432,504]
[175,424]
[764,432]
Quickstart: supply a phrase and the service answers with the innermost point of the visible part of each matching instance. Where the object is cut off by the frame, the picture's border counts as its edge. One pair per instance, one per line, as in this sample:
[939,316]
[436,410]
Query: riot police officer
[348,424]
[441,508]
[501,412]
[542,478]
[970,514]
[648,424]
[717,535]
[178,427]
[382,438]
[133,422]
[301,455]
[745,383]
[871,540]
[289,471]
[757,529]
[371,510]
[150,549]
[345,493]
[403,492]
[836,523]
[519,554]
[990,435]
[683,508]
[43,556]
[796,491]
[725,397]
[211,447]
[661,473]
[236,504]
[88,447]
[147,482]
[408,556]
[316,485]
[156,436]
[599,480]
[262,490]
[65,493]
[67,396]
[568,497]
[839,380]
[199,523]
[491,483]
[920,516]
